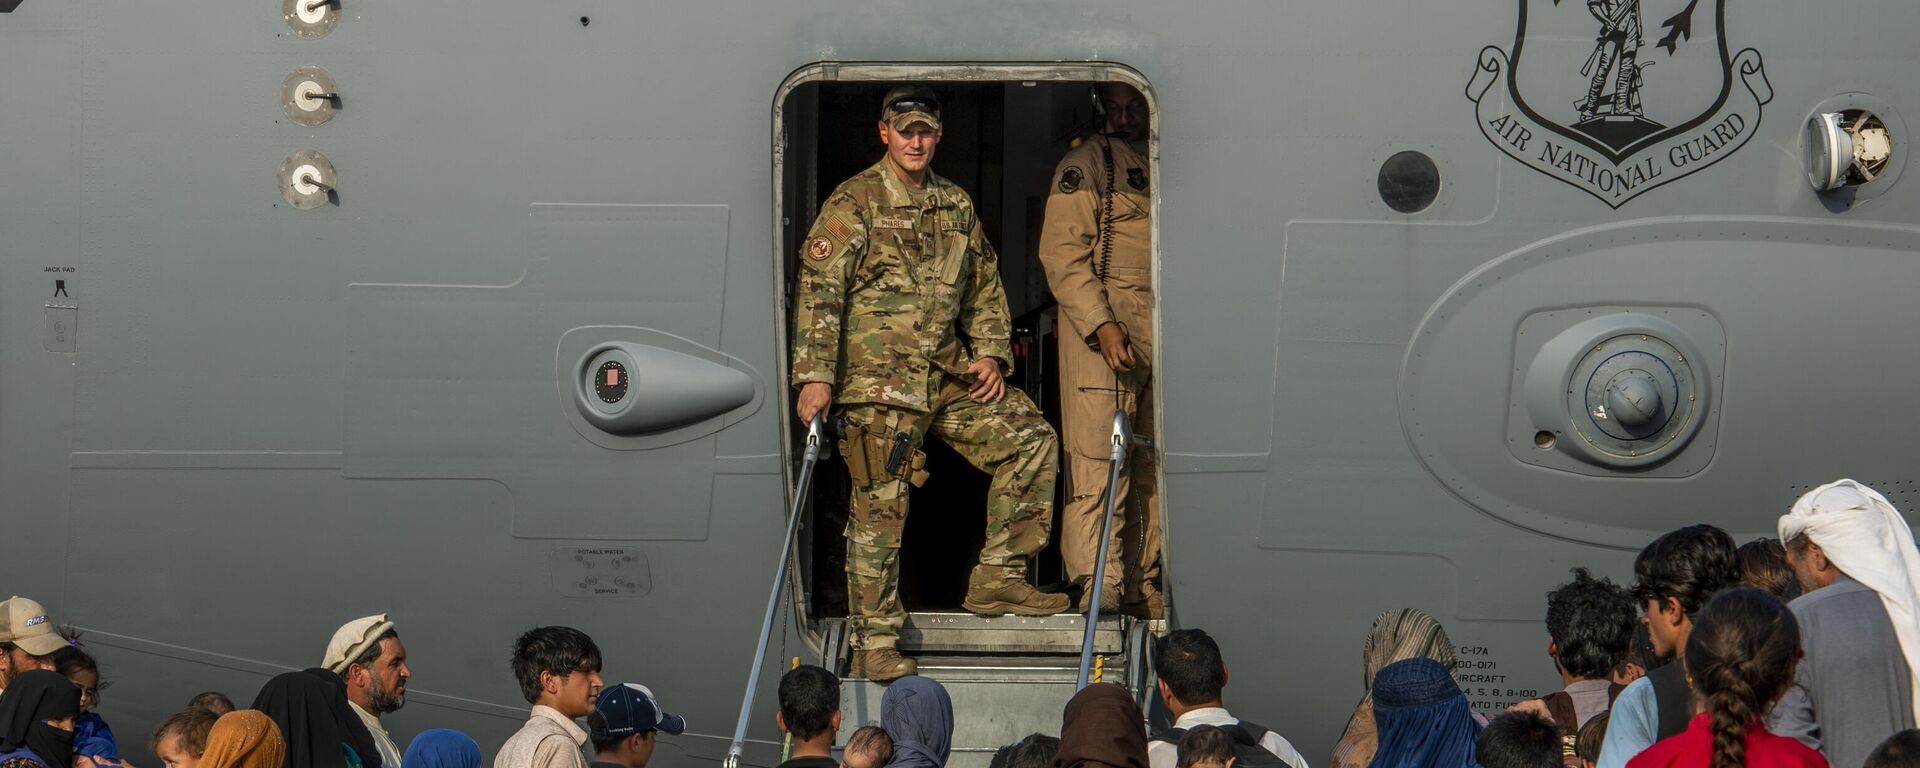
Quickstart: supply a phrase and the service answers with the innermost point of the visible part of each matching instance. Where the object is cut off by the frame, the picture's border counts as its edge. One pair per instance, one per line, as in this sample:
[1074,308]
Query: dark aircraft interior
[1000,142]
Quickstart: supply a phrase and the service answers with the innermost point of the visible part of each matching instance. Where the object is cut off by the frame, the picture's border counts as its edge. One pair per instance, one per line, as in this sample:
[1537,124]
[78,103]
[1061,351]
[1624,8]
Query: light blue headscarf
[442,748]
[918,714]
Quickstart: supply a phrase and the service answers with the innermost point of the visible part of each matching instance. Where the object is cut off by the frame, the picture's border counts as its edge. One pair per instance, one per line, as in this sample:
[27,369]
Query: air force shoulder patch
[1070,180]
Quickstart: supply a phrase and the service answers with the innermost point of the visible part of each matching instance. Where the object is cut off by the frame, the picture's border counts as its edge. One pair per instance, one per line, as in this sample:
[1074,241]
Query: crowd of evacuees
[1796,652]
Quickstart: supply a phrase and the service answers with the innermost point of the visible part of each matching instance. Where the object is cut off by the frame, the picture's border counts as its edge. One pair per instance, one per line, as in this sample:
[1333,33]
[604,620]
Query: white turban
[1864,536]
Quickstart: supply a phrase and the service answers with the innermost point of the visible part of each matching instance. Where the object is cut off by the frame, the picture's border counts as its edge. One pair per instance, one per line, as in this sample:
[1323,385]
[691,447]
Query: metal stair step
[926,632]
[996,700]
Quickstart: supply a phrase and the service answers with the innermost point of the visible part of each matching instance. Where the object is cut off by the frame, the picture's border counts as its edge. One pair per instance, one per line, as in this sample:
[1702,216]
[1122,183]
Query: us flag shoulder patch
[838,227]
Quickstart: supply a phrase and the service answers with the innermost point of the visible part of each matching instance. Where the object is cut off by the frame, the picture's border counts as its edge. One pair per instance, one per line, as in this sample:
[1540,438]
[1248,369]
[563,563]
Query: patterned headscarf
[1407,633]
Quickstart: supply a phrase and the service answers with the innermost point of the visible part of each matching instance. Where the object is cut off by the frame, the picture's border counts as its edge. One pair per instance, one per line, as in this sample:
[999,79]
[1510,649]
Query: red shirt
[1693,748]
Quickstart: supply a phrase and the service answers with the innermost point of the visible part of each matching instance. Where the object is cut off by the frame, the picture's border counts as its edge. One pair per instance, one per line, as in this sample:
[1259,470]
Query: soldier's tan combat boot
[1109,601]
[1150,605]
[1016,597]
[880,665]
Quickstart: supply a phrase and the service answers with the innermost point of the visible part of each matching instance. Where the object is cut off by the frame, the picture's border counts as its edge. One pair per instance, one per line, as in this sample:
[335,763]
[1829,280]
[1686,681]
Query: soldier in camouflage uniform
[894,271]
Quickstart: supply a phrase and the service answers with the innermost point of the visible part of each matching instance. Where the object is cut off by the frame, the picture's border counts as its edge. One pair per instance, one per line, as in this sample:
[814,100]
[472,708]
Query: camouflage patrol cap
[909,104]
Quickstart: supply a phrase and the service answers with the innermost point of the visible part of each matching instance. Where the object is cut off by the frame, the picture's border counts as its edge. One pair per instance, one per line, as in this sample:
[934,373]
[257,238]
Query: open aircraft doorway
[1005,130]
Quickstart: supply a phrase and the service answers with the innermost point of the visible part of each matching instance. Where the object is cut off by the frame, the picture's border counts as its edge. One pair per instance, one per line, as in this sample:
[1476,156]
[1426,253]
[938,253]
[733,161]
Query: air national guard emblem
[1137,178]
[819,248]
[1617,97]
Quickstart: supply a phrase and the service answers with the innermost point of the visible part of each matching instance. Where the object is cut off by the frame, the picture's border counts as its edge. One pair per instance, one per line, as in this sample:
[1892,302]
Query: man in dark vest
[1672,578]
[1589,629]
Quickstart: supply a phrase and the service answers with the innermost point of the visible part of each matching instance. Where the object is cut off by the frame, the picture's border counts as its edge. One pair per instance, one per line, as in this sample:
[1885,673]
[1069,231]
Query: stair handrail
[816,427]
[1116,457]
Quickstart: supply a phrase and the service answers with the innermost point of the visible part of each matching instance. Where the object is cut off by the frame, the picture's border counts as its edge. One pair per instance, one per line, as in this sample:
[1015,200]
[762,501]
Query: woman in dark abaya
[36,721]
[918,714]
[1102,728]
[1423,717]
[310,706]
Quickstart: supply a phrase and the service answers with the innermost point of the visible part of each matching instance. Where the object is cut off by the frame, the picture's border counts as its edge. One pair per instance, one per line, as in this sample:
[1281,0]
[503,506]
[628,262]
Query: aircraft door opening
[1004,133]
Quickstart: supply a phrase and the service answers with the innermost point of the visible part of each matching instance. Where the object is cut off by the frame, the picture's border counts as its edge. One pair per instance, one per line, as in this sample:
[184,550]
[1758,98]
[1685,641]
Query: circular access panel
[1631,395]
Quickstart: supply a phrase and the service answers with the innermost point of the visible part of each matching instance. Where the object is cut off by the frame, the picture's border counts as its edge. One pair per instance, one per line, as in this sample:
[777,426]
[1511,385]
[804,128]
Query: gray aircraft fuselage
[229,424]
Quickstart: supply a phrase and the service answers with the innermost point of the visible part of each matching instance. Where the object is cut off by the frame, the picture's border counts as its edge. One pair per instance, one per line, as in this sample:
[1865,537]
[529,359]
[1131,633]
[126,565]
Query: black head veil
[310,706]
[34,698]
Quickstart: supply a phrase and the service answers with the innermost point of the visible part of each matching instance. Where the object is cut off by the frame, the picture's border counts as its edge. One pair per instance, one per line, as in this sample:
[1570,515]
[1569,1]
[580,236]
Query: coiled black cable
[1101,268]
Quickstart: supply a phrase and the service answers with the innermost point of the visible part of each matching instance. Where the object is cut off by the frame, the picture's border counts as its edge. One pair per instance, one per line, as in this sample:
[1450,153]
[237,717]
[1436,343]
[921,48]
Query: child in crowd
[1592,735]
[1037,750]
[559,673]
[869,747]
[1901,750]
[1520,740]
[93,742]
[1206,746]
[1740,660]
[212,701]
[183,738]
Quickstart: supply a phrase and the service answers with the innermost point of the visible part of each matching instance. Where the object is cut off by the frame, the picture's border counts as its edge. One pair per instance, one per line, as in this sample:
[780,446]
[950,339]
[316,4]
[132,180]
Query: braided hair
[1740,658]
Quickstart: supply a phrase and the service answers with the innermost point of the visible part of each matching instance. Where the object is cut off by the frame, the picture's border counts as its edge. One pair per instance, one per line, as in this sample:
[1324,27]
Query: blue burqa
[442,748]
[1422,717]
[917,713]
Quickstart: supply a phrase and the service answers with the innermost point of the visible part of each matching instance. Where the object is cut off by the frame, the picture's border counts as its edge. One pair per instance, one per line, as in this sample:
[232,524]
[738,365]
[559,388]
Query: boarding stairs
[1009,676]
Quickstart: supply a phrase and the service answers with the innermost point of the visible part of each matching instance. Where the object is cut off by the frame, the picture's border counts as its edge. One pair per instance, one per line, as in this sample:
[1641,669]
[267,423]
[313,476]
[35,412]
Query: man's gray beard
[381,699]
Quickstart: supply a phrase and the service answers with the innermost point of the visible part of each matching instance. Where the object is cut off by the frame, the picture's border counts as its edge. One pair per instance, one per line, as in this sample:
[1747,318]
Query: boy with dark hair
[1037,750]
[1763,563]
[1206,747]
[1586,745]
[1673,578]
[810,712]
[1518,740]
[1589,630]
[558,669]
[1640,657]
[1901,750]
[622,727]
[1192,676]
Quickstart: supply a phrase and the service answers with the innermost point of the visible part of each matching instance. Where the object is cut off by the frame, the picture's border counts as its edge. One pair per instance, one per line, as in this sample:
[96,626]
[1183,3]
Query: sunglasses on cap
[906,104]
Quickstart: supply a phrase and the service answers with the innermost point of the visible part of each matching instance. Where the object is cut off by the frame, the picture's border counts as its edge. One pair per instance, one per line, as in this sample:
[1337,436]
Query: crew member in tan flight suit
[1097,247]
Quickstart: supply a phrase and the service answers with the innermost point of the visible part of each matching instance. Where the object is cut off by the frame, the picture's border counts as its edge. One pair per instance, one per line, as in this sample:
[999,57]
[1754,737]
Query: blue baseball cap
[630,708]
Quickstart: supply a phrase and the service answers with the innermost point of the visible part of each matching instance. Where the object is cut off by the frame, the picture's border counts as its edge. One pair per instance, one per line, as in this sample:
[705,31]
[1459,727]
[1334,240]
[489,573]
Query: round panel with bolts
[1632,398]
[310,18]
[307,179]
[308,95]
